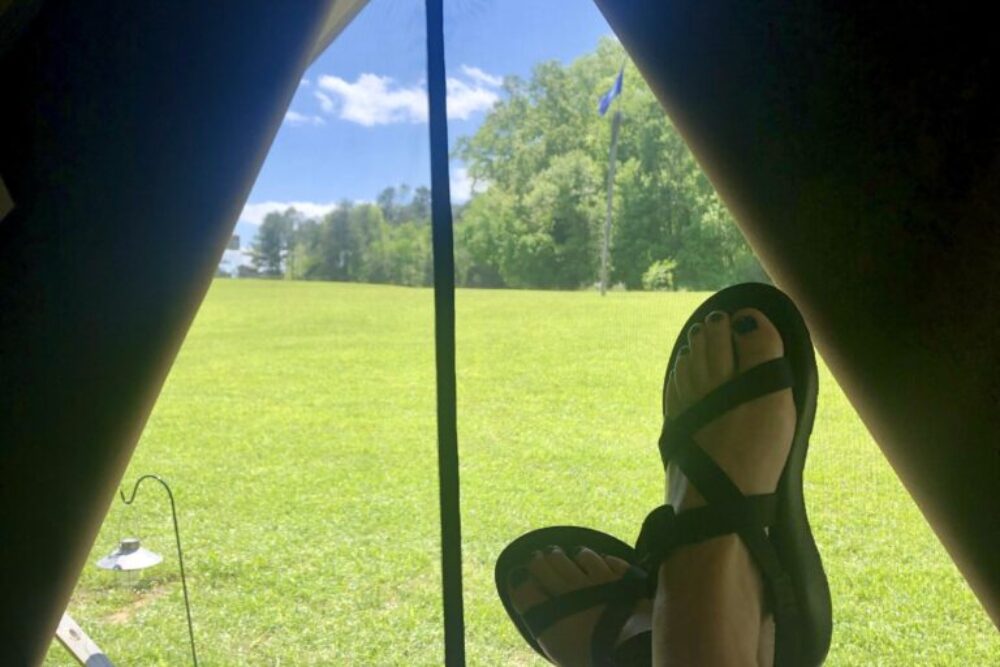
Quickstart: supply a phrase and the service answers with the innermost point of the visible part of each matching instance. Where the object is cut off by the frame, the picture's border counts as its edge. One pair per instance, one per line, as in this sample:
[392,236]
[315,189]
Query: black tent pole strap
[444,343]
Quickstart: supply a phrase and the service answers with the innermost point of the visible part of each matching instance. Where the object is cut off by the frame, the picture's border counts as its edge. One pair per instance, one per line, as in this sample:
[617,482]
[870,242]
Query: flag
[613,92]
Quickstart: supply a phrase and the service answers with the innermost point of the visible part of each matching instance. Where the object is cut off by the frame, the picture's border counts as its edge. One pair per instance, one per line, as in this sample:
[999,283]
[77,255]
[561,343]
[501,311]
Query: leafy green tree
[409,253]
[562,211]
[484,239]
[367,239]
[714,253]
[354,242]
[339,249]
[659,276]
[419,208]
[542,152]
[274,238]
[386,201]
[305,243]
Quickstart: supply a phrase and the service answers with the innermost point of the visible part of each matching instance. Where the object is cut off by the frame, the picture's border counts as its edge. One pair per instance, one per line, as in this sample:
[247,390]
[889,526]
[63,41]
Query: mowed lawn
[297,430]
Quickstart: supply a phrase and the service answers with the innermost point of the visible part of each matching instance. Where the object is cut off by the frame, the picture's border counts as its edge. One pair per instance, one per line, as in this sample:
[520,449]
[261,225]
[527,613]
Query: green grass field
[297,430]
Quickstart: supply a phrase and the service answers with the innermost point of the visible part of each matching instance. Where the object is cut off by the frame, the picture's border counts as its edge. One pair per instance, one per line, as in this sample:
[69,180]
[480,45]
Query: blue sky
[358,119]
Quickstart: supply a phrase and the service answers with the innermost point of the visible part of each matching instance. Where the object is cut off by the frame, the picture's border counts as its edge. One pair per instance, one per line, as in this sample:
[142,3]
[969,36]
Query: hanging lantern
[129,555]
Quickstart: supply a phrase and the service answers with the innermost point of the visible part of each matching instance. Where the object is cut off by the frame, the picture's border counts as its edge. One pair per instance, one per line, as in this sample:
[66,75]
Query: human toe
[682,377]
[719,347]
[701,381]
[593,565]
[568,571]
[617,566]
[525,592]
[755,337]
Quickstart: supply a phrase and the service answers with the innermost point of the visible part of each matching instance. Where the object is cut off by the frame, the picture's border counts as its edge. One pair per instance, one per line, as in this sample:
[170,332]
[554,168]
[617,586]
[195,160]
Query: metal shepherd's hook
[180,553]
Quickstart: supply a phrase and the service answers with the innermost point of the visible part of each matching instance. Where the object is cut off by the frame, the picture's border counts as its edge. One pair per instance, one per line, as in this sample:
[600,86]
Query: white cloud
[479,76]
[295,118]
[324,101]
[255,213]
[465,100]
[375,100]
[304,81]
[461,185]
[378,100]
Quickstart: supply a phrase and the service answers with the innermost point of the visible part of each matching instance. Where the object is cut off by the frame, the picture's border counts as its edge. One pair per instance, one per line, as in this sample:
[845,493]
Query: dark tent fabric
[116,121]
[858,148]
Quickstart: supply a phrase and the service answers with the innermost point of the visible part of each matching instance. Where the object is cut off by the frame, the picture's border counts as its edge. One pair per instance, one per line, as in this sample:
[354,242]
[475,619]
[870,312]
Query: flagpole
[616,121]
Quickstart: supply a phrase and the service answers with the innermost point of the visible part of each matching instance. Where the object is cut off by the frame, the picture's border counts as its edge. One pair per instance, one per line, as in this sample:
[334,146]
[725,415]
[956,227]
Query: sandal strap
[721,493]
[664,530]
[626,590]
[604,638]
[763,379]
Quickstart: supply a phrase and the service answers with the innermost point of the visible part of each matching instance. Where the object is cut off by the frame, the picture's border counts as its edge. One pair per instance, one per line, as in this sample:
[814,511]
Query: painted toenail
[716,316]
[745,324]
[574,552]
[552,548]
[695,329]
[517,576]
[683,351]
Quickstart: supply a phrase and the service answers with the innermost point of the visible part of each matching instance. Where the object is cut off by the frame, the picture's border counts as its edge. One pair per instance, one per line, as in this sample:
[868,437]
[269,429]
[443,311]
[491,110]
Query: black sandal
[773,526]
[620,597]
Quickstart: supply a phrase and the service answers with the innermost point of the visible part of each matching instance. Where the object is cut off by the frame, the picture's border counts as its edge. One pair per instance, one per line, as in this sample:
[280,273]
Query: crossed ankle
[719,566]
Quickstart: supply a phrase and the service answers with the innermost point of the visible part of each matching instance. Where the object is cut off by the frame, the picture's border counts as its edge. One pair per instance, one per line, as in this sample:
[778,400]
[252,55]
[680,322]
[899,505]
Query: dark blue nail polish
[683,351]
[574,552]
[695,330]
[716,316]
[745,324]
[517,576]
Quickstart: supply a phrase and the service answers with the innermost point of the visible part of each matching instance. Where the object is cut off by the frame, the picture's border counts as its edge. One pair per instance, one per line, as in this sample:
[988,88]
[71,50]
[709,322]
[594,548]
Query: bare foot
[555,573]
[751,441]
[710,599]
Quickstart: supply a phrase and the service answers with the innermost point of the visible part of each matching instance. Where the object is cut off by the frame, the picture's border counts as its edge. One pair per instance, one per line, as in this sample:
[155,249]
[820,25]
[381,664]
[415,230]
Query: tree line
[539,165]
[383,242]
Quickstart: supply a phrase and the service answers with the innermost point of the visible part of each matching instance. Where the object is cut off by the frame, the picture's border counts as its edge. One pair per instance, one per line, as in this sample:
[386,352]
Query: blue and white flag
[613,92]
